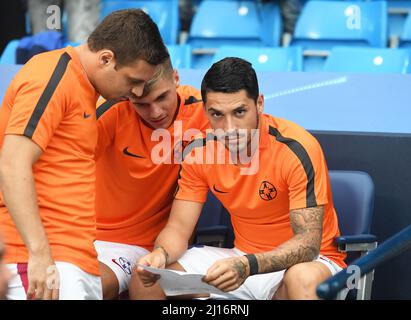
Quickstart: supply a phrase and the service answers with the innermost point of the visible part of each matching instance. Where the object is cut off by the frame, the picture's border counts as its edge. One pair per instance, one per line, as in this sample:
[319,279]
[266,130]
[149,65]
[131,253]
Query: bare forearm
[18,188]
[173,242]
[297,250]
[303,247]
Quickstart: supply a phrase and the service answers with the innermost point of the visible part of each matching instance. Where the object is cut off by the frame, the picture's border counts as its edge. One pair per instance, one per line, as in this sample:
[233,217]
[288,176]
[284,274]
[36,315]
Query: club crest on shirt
[267,191]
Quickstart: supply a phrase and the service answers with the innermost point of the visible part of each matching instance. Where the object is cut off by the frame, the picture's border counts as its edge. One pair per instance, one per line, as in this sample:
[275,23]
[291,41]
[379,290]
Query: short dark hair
[230,75]
[131,35]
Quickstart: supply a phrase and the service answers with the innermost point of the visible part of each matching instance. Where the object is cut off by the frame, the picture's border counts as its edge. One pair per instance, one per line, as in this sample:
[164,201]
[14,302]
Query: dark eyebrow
[243,106]
[162,95]
[214,109]
[135,80]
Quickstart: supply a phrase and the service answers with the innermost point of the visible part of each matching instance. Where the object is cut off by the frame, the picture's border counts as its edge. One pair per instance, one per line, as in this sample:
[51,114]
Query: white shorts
[258,287]
[75,284]
[120,258]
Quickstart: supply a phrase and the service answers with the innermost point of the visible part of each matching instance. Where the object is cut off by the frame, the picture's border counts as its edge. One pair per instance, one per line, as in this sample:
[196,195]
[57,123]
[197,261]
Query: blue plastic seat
[325,24]
[9,54]
[163,12]
[244,23]
[265,59]
[398,11]
[180,56]
[371,60]
[405,40]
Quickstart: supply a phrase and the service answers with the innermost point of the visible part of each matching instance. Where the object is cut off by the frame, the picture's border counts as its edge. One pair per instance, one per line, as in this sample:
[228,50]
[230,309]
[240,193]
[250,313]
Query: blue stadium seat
[353,198]
[245,23]
[180,56]
[163,12]
[265,59]
[398,11]
[405,40]
[325,24]
[372,60]
[9,54]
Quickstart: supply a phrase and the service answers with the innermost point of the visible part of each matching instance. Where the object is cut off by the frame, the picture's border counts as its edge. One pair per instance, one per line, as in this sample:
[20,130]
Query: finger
[222,279]
[31,290]
[39,290]
[55,294]
[47,294]
[213,273]
[229,286]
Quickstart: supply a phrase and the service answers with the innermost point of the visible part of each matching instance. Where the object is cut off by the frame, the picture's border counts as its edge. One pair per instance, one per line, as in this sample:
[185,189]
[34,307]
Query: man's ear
[106,58]
[176,77]
[260,104]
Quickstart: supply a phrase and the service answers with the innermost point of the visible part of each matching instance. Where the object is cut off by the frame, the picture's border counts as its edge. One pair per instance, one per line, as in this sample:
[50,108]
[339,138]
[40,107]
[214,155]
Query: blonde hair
[164,69]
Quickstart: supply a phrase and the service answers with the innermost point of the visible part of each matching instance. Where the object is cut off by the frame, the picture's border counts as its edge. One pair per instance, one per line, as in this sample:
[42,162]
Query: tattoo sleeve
[307,224]
[241,269]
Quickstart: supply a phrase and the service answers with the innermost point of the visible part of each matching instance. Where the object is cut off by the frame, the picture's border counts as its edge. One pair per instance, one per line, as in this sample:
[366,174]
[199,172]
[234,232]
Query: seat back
[163,12]
[324,24]
[353,197]
[405,40]
[265,59]
[242,23]
[9,54]
[372,60]
[180,55]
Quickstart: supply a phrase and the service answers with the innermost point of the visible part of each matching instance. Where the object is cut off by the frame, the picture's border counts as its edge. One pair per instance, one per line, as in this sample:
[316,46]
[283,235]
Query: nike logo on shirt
[219,191]
[128,153]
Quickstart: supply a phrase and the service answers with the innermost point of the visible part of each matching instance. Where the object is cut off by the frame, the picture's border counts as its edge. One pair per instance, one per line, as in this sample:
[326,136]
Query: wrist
[39,249]
[164,252]
[252,264]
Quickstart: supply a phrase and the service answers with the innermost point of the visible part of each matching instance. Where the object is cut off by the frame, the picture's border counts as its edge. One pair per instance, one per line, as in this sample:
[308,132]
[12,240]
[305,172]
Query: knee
[300,277]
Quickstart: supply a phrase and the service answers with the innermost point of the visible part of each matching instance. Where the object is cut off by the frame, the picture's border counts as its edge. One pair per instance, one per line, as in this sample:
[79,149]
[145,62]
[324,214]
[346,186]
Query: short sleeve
[36,112]
[192,184]
[306,175]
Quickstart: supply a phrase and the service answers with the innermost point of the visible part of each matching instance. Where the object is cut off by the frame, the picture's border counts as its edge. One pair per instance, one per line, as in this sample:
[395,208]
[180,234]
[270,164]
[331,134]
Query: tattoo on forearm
[241,268]
[305,246]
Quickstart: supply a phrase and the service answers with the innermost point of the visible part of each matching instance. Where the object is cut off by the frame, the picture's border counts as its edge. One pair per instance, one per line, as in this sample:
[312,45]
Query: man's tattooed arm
[305,246]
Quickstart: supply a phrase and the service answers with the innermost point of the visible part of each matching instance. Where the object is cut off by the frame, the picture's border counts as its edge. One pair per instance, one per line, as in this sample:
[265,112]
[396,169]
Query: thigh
[17,288]
[120,259]
[76,284]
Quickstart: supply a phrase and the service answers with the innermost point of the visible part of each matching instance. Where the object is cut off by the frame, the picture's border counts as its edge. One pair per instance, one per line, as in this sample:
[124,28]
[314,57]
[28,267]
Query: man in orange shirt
[279,199]
[48,136]
[137,174]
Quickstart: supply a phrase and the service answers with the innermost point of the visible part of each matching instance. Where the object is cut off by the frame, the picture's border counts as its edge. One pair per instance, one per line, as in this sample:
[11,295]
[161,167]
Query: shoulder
[289,133]
[189,95]
[105,108]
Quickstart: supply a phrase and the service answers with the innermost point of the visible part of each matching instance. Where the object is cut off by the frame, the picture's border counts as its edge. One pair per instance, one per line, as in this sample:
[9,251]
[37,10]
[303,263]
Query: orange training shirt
[134,194]
[52,102]
[292,174]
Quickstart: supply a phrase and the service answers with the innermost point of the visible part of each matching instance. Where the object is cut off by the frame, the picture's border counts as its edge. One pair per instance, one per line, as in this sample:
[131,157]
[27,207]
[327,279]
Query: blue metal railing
[387,250]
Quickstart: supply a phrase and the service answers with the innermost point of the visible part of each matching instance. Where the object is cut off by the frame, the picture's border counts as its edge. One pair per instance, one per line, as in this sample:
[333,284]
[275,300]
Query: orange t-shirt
[52,102]
[292,174]
[134,194]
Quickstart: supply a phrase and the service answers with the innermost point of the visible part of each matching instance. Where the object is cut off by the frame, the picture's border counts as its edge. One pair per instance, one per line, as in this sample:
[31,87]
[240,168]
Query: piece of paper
[179,283]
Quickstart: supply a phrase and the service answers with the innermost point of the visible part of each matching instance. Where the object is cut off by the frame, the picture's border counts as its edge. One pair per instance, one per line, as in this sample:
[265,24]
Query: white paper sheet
[178,283]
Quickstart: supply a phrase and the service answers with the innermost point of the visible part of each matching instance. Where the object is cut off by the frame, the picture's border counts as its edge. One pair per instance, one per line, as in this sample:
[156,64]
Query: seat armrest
[359,243]
[363,238]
